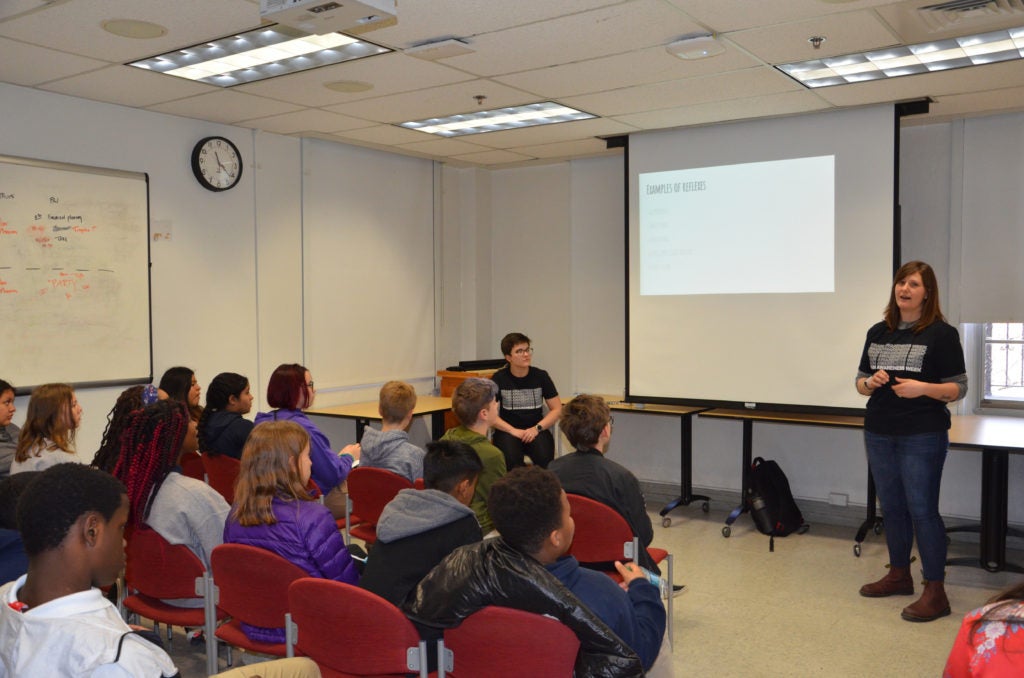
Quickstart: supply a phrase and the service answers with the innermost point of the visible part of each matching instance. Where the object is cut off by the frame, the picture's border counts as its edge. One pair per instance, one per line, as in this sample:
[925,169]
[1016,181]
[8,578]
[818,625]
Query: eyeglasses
[310,385]
[523,351]
[611,420]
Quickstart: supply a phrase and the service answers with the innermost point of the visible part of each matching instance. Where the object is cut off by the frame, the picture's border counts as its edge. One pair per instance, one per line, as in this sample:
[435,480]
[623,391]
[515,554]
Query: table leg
[361,425]
[871,521]
[437,425]
[686,496]
[748,458]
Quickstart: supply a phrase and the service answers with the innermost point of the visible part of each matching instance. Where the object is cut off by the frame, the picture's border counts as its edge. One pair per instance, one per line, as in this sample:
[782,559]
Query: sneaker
[196,637]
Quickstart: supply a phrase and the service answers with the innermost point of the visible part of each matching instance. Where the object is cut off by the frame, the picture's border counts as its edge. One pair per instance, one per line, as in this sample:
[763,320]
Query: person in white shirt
[54,620]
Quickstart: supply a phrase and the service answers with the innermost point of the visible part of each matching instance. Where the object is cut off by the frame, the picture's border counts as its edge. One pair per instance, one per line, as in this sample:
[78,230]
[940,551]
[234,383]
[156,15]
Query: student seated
[291,391]
[512,571]
[475,403]
[991,639]
[180,509]
[389,448]
[48,436]
[54,621]
[13,561]
[222,428]
[8,432]
[420,527]
[587,423]
[636,615]
[131,399]
[273,511]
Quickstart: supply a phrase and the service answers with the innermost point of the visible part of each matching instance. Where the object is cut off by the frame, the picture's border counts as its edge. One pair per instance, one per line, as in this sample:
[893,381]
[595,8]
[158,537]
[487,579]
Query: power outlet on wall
[838,499]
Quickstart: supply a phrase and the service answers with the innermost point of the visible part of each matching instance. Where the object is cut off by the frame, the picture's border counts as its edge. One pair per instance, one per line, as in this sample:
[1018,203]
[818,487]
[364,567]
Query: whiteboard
[74,275]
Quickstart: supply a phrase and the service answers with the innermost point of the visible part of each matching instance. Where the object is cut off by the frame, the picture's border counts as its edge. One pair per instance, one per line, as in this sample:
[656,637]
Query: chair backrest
[192,465]
[221,473]
[602,534]
[500,642]
[158,569]
[253,583]
[348,630]
[370,490]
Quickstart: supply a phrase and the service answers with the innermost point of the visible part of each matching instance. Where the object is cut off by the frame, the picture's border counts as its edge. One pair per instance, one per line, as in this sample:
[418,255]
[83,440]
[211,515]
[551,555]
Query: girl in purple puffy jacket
[273,510]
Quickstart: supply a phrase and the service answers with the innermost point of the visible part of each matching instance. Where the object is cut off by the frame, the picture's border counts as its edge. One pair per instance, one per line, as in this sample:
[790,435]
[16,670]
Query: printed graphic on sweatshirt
[522,398]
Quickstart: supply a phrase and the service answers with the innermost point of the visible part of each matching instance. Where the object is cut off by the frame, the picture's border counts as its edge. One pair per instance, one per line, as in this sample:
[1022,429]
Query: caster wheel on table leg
[877,529]
[856,550]
[705,507]
[666,521]
[726,531]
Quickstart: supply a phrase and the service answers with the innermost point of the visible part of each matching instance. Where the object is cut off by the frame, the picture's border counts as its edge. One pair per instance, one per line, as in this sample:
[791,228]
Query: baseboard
[814,511]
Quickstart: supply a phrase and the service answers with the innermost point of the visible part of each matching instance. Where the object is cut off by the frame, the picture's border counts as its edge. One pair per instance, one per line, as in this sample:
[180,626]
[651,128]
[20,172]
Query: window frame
[991,405]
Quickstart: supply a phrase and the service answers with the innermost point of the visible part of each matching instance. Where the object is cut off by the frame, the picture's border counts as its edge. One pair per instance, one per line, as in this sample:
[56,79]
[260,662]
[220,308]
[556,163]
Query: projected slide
[752,228]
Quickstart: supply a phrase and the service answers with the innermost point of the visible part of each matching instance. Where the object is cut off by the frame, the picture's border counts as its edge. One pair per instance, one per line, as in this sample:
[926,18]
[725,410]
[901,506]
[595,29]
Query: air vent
[947,15]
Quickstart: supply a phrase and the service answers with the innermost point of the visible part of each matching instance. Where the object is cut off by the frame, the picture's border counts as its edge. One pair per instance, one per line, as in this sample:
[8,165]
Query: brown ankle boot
[896,582]
[930,606]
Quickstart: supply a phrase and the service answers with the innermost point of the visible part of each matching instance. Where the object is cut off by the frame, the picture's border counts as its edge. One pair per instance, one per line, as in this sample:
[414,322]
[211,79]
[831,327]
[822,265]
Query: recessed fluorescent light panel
[926,57]
[544,113]
[258,55]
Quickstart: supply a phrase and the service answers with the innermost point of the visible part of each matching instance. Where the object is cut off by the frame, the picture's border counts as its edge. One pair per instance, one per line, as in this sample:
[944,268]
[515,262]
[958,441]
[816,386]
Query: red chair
[603,535]
[221,473]
[369,491]
[499,642]
[192,465]
[253,586]
[155,570]
[351,632]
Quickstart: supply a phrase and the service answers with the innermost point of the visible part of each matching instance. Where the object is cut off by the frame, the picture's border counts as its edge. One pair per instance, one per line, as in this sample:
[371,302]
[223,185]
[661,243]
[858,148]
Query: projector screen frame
[629,396]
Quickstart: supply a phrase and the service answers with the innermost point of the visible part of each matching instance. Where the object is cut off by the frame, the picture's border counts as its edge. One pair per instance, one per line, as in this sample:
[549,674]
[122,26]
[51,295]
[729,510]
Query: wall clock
[216,163]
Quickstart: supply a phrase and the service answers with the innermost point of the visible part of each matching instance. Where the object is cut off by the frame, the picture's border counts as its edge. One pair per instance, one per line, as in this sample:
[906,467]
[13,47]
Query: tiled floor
[795,612]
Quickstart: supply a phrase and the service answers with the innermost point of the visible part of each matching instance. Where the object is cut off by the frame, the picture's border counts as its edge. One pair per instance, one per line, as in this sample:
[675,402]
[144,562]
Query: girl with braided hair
[180,509]
[48,435]
[131,399]
[222,429]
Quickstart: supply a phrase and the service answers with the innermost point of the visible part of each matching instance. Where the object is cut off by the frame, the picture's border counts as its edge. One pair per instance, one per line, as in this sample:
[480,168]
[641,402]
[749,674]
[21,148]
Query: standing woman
[222,429]
[911,367]
[48,437]
[8,431]
[291,390]
[522,428]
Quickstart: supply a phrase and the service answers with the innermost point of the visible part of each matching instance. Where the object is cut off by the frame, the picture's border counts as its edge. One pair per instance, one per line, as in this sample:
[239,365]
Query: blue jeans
[908,473]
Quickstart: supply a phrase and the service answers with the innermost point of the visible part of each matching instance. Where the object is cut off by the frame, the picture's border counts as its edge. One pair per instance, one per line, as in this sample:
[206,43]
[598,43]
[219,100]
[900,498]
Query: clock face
[216,163]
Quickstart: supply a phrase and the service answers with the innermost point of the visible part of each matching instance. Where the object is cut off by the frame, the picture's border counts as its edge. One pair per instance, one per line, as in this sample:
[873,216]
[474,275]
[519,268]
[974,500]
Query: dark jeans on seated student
[541,450]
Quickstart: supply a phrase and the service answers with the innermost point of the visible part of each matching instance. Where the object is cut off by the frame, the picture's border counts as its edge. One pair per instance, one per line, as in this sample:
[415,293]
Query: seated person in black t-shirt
[522,429]
[418,528]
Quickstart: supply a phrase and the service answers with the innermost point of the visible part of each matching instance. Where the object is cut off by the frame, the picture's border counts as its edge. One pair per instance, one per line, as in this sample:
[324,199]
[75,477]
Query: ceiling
[606,57]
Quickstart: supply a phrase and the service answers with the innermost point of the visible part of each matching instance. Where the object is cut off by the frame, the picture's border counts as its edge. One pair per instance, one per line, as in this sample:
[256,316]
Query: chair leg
[669,607]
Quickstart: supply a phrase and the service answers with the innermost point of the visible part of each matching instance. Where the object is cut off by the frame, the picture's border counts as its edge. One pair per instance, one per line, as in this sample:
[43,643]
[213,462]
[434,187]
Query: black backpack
[771,502]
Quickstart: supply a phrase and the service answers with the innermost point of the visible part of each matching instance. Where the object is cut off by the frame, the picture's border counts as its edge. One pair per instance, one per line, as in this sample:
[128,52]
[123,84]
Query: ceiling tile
[428,21]
[383,134]
[569,149]
[127,86]
[723,16]
[735,85]
[226,106]
[545,134]
[308,119]
[644,66]
[493,157]
[76,26]
[435,102]
[844,33]
[388,73]
[22,64]
[787,103]
[610,30]
[445,147]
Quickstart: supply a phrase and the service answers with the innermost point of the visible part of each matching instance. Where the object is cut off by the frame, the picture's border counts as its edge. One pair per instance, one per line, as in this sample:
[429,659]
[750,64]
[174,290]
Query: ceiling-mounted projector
[329,16]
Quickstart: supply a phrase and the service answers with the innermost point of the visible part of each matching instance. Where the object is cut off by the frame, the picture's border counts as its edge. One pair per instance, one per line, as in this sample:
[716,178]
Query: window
[1002,362]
